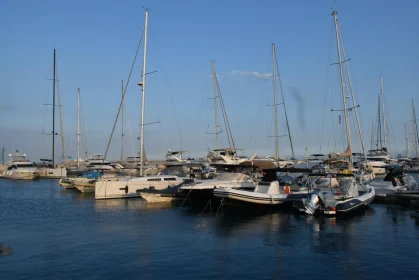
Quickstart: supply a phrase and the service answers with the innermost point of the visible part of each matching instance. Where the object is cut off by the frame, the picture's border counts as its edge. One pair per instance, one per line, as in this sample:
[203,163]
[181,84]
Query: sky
[96,42]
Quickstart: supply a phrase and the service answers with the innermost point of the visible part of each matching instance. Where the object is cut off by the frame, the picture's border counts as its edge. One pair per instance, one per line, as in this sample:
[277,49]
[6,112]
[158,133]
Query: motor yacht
[20,168]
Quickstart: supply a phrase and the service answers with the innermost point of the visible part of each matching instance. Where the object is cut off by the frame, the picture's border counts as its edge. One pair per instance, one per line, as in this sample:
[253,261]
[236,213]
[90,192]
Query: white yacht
[401,158]
[204,189]
[131,187]
[378,163]
[97,162]
[19,168]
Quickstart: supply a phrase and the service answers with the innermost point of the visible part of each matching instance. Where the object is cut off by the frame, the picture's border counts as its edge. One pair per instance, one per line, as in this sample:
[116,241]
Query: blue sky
[96,43]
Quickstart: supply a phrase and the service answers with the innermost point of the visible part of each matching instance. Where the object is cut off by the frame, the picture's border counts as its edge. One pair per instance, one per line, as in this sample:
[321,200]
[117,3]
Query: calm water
[62,234]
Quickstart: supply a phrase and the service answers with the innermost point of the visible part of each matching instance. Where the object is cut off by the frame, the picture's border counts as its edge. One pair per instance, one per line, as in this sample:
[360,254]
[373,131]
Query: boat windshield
[26,165]
[231,176]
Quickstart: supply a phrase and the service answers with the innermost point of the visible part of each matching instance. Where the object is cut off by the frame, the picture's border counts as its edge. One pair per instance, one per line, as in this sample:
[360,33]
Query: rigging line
[283,103]
[227,122]
[326,86]
[46,107]
[61,114]
[389,121]
[258,116]
[84,129]
[358,119]
[176,119]
[123,96]
[227,127]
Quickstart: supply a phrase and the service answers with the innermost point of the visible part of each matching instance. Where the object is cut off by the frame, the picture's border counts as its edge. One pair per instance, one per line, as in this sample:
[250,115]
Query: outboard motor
[314,202]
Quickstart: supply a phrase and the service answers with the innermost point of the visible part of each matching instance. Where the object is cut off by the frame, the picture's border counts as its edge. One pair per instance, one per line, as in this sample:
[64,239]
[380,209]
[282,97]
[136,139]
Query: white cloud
[249,73]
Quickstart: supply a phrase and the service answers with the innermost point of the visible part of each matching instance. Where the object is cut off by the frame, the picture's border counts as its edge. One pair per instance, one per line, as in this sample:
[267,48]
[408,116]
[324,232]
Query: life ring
[287,190]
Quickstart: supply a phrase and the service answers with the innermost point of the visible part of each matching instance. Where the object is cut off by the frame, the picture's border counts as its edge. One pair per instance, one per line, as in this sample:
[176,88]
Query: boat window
[24,166]
[170,179]
[154,179]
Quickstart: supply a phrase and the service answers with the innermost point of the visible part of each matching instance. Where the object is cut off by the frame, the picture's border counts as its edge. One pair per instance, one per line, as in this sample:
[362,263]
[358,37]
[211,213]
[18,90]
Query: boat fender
[287,189]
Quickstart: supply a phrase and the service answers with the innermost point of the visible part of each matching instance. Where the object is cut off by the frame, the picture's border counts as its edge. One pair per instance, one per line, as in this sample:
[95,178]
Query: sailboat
[231,155]
[50,170]
[130,187]
[349,196]
[378,158]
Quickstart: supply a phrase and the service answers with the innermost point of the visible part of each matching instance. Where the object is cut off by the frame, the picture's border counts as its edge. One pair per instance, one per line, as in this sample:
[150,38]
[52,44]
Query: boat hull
[52,173]
[340,208]
[128,189]
[20,175]
[250,197]
[66,183]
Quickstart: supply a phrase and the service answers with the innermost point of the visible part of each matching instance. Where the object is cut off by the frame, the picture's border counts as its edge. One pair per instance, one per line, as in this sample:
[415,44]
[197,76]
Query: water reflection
[107,205]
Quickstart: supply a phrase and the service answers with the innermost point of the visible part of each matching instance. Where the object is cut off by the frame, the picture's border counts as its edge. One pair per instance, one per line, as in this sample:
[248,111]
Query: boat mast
[372,135]
[2,155]
[384,113]
[214,81]
[275,107]
[379,140]
[348,135]
[53,117]
[415,127]
[122,123]
[407,140]
[353,97]
[143,94]
[61,115]
[78,128]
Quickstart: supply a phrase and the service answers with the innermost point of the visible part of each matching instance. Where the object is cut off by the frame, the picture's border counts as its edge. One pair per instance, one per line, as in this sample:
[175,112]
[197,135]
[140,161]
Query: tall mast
[122,123]
[275,107]
[348,135]
[372,135]
[53,117]
[379,140]
[415,127]
[143,94]
[407,140]
[214,81]
[384,113]
[353,97]
[2,155]
[78,128]
[61,115]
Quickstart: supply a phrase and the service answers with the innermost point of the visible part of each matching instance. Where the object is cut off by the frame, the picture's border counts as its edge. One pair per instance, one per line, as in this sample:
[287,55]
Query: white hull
[250,197]
[20,175]
[84,184]
[52,173]
[66,183]
[379,170]
[86,188]
[131,188]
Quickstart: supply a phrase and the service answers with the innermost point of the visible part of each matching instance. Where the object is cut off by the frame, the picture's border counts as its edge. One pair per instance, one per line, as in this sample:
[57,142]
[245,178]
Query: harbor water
[64,234]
